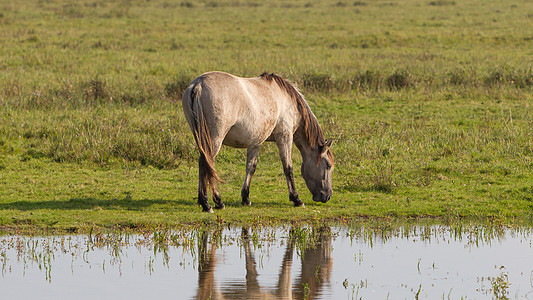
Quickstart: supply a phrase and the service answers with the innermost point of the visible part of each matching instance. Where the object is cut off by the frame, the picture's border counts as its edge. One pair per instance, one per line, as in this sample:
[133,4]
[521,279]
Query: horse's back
[240,111]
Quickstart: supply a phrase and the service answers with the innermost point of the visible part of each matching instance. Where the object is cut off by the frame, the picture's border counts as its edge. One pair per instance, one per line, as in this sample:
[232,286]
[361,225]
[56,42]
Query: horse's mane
[313,132]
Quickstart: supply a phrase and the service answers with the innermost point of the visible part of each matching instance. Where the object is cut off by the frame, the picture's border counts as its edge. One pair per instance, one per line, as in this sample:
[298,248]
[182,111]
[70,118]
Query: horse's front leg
[284,144]
[251,164]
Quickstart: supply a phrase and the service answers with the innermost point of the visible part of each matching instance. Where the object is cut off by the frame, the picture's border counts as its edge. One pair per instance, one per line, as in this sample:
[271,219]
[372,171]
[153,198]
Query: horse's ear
[329,142]
[326,145]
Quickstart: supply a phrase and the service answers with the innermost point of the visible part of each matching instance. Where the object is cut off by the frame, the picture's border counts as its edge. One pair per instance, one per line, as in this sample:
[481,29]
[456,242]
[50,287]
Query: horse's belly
[245,136]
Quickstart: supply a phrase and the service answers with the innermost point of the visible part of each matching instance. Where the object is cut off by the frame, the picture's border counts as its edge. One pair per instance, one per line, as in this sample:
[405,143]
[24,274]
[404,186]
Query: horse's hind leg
[216,197]
[205,179]
[202,184]
[217,144]
[251,164]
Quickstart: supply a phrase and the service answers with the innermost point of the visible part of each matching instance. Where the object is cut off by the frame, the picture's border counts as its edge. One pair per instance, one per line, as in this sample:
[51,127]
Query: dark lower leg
[202,200]
[285,144]
[294,198]
[293,195]
[202,184]
[251,164]
[245,196]
[217,199]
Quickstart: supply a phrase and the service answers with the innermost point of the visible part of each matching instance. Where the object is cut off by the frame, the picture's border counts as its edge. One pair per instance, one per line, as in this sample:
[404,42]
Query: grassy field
[429,103]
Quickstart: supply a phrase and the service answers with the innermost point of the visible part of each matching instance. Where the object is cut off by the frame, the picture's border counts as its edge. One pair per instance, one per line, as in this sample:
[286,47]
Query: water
[299,263]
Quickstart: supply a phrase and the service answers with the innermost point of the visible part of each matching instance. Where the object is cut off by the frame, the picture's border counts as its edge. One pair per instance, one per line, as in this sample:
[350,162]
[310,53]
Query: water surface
[299,263]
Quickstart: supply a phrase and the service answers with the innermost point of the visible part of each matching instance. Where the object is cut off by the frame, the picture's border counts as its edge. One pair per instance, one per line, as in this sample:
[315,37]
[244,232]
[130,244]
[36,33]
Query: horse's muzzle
[322,197]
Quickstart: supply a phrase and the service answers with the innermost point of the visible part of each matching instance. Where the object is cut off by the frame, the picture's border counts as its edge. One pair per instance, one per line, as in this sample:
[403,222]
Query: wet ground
[354,262]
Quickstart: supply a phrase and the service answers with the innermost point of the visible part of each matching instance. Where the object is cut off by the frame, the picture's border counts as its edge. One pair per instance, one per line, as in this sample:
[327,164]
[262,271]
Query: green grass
[429,103]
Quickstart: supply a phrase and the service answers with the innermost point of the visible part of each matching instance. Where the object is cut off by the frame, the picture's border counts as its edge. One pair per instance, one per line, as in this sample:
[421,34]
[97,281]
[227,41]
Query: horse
[223,109]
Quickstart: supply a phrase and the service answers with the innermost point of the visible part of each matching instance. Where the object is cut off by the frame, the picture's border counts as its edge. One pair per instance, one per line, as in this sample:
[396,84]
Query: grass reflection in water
[299,262]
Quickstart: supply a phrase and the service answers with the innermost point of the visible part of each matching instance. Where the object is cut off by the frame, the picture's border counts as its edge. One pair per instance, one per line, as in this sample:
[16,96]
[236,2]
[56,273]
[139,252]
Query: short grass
[429,103]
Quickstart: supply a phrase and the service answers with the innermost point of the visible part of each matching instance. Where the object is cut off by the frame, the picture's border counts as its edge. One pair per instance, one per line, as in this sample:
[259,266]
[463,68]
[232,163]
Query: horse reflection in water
[316,265]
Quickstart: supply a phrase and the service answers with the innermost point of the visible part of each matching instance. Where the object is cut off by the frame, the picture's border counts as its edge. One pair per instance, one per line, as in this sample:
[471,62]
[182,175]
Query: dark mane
[312,130]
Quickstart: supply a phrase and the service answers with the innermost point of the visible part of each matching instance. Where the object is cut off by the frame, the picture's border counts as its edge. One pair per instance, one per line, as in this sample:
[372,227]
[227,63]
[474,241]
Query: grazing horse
[245,112]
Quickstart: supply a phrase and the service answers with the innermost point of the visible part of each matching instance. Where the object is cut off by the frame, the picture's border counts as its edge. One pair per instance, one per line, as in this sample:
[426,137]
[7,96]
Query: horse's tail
[202,135]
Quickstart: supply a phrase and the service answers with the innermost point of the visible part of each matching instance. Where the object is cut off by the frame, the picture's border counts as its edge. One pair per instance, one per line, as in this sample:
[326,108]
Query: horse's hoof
[299,204]
[209,211]
[247,203]
[221,206]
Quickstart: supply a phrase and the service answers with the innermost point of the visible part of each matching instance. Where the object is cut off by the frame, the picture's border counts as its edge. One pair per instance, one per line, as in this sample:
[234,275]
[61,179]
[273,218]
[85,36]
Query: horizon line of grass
[101,89]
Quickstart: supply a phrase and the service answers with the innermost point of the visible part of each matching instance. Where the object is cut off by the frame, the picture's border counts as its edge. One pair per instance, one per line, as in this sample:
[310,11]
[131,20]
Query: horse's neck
[301,142]
[302,136]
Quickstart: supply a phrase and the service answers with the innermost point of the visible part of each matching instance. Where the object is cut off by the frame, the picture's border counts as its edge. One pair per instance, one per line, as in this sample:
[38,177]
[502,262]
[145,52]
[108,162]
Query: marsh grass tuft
[95,90]
[317,82]
[384,179]
[186,4]
[368,80]
[175,88]
[441,3]
[400,79]
[500,284]
[520,78]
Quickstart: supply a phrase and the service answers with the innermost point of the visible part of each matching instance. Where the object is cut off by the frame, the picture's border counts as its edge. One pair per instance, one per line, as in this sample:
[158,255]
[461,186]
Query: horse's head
[317,167]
